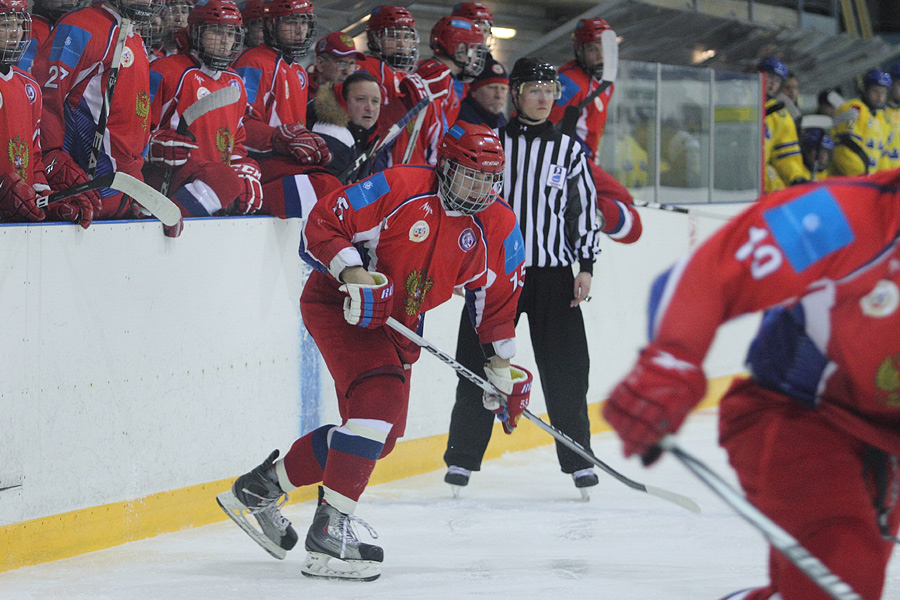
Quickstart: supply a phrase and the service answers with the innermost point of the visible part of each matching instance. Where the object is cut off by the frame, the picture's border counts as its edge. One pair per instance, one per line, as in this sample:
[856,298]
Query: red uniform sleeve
[770,255]
[621,220]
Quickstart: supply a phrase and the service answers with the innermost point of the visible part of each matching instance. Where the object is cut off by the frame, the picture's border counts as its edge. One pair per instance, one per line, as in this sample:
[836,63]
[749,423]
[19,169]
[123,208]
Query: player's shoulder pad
[824,226]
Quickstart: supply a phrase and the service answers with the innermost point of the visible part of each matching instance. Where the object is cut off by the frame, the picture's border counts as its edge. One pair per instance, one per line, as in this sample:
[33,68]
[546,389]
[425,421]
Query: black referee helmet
[530,69]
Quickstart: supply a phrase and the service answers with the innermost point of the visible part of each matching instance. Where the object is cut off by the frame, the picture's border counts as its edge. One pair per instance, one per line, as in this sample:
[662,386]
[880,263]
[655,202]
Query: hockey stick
[218,99]
[100,133]
[780,539]
[678,499]
[610,45]
[681,210]
[392,133]
[158,205]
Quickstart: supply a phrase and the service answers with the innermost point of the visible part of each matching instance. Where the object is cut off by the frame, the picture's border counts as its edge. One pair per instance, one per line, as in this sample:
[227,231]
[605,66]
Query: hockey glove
[515,384]
[653,400]
[297,141]
[17,200]
[369,305]
[432,80]
[170,148]
[62,173]
[251,198]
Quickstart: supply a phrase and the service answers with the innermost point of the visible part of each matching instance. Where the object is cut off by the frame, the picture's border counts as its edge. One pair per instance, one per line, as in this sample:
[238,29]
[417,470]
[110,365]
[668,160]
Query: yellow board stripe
[95,528]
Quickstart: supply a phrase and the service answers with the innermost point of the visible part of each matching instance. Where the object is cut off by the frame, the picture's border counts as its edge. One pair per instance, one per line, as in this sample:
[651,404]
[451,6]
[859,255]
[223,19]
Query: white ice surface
[519,530]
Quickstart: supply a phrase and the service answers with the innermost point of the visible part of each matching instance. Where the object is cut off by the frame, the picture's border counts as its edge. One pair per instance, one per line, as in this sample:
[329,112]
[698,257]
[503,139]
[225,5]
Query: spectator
[782,162]
[579,78]
[277,137]
[487,98]
[212,173]
[548,184]
[73,67]
[22,176]
[348,117]
[860,129]
[336,59]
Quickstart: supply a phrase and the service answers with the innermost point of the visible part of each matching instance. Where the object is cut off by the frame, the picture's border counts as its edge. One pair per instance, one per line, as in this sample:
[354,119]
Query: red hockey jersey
[394,223]
[178,81]
[576,86]
[73,68]
[276,94]
[20,126]
[827,257]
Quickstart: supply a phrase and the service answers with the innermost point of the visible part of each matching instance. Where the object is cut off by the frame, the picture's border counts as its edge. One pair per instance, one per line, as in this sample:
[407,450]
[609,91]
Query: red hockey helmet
[474,11]
[216,32]
[460,40]
[470,167]
[15,21]
[252,11]
[290,26]
[392,36]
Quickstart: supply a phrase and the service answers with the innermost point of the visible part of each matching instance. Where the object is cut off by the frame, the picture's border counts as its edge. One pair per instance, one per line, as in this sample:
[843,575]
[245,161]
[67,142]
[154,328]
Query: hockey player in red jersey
[73,68]
[44,15]
[214,175]
[459,54]
[579,78]
[479,14]
[22,176]
[393,245]
[393,49]
[812,433]
[289,154]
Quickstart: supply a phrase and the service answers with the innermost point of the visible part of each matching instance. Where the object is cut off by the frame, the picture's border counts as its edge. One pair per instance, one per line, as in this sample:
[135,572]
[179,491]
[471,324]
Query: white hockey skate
[255,493]
[335,552]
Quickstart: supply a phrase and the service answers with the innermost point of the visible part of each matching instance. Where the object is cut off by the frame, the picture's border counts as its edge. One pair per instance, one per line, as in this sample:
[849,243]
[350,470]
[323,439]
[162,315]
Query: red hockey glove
[369,305]
[62,173]
[170,148]
[515,383]
[17,200]
[653,400]
[173,231]
[250,200]
[299,142]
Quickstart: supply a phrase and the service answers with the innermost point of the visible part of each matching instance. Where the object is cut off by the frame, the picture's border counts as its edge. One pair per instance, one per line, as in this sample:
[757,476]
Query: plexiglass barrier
[684,135]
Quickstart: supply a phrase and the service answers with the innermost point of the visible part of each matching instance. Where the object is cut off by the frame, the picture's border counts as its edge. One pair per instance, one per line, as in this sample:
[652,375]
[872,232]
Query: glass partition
[684,135]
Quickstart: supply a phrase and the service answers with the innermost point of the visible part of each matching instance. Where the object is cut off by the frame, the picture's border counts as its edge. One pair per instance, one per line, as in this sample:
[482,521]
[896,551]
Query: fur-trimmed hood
[329,107]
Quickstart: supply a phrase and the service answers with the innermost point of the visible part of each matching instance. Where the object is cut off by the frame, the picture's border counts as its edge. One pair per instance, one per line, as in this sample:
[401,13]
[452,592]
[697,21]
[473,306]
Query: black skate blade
[238,513]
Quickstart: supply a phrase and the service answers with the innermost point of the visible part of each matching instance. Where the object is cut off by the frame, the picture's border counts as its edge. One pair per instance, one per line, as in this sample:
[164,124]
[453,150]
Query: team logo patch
[19,154]
[887,380]
[127,57]
[225,144]
[882,301]
[30,92]
[346,39]
[497,68]
[419,231]
[142,108]
[234,83]
[301,76]
[202,92]
[417,285]
[557,177]
[467,240]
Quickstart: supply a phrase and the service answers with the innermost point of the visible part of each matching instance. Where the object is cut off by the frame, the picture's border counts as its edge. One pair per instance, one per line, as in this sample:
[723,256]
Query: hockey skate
[257,493]
[335,552]
[458,478]
[585,479]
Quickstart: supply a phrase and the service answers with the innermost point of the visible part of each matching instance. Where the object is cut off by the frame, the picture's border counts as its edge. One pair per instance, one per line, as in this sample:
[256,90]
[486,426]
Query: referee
[548,184]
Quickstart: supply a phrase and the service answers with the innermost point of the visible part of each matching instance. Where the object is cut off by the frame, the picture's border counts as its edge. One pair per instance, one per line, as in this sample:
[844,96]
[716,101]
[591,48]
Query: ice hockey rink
[519,530]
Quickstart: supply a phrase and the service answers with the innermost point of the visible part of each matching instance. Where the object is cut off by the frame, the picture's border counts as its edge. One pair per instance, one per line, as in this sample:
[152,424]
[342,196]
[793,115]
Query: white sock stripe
[283,480]
[368,428]
[338,500]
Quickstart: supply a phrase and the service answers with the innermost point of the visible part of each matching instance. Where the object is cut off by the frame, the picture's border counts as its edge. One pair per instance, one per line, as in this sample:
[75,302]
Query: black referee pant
[561,353]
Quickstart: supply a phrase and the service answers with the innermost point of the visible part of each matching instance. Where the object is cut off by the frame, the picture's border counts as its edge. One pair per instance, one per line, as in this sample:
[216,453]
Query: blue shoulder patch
[367,191]
[251,77]
[569,89]
[69,43]
[809,228]
[28,56]
[155,80]
[513,250]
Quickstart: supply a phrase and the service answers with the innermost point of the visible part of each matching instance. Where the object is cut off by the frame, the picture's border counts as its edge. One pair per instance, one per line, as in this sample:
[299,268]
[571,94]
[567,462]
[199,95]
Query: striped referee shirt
[548,183]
